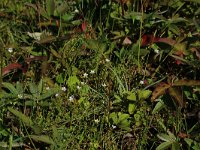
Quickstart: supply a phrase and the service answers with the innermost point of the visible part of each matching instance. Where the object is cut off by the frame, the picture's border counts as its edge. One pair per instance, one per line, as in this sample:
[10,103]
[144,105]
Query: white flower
[71,98]
[20,96]
[82,83]
[156,51]
[76,11]
[92,72]
[96,120]
[85,75]
[141,82]
[57,95]
[104,85]
[47,88]
[78,87]
[10,49]
[107,60]
[114,127]
[63,88]
[35,35]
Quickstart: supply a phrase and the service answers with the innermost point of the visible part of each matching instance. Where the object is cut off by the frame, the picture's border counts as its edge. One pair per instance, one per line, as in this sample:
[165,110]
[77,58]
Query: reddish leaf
[177,95]
[11,67]
[35,58]
[183,135]
[160,90]
[185,82]
[84,26]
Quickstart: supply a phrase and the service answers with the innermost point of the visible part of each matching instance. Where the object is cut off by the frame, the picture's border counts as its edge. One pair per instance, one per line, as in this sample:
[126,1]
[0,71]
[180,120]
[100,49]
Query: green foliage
[101,74]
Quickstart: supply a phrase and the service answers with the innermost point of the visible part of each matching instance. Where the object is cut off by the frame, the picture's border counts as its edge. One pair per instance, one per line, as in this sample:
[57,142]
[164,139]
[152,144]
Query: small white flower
[104,85]
[85,75]
[141,82]
[47,88]
[107,60]
[156,51]
[63,88]
[96,120]
[76,11]
[71,98]
[82,83]
[20,96]
[92,72]
[10,49]
[57,95]
[114,127]
[78,87]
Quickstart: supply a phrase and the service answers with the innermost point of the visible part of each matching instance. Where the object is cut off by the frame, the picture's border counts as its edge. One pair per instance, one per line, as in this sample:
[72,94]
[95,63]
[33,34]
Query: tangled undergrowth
[117,74]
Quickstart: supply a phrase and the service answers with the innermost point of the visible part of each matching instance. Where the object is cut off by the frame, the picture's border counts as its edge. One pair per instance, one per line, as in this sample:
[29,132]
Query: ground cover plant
[92,74]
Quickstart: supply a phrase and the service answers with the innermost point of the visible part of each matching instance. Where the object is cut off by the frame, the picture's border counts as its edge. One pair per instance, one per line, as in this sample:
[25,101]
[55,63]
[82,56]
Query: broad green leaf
[171,135]
[175,146]
[49,93]
[144,94]
[131,96]
[19,88]
[21,116]
[165,137]
[160,104]
[10,87]
[131,108]
[164,145]
[34,89]
[72,81]
[113,116]
[42,138]
[188,141]
[117,99]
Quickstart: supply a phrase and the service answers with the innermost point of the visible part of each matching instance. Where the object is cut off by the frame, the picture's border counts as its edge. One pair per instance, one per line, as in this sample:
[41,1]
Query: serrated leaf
[21,116]
[42,138]
[160,90]
[177,95]
[185,82]
[164,145]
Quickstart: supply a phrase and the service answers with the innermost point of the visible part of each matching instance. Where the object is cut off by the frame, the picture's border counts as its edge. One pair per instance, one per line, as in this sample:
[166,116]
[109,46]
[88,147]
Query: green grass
[99,75]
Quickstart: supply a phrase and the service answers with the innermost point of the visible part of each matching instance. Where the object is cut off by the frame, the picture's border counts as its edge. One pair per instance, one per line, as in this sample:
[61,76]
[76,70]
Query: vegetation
[92,74]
